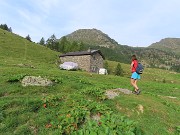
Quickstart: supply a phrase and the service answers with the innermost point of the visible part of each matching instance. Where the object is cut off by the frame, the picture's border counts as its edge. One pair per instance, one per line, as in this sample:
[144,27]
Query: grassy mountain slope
[150,57]
[17,50]
[76,97]
[168,44]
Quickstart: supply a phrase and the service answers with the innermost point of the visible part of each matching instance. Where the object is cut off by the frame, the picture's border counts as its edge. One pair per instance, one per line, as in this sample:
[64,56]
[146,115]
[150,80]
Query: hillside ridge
[92,37]
[16,50]
[168,44]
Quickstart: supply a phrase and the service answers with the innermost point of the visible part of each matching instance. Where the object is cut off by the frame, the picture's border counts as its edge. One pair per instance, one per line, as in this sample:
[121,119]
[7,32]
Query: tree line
[5,27]
[62,45]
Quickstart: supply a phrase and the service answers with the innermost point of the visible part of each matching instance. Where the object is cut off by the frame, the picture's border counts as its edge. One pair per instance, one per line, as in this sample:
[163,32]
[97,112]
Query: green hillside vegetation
[76,103]
[16,51]
[168,44]
[164,54]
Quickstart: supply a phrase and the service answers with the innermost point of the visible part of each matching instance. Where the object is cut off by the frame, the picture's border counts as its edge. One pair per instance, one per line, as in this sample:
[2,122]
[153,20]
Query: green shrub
[16,78]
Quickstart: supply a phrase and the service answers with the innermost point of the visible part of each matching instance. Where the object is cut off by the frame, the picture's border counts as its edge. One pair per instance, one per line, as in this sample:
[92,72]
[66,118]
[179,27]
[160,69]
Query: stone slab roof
[80,53]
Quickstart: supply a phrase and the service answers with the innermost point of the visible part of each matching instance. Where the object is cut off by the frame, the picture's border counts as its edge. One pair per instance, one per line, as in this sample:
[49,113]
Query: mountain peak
[92,37]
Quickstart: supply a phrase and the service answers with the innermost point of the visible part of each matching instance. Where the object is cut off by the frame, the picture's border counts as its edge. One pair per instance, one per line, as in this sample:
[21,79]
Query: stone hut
[90,60]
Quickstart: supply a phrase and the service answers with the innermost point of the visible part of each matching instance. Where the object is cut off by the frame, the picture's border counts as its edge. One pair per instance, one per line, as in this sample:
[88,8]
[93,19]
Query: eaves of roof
[82,53]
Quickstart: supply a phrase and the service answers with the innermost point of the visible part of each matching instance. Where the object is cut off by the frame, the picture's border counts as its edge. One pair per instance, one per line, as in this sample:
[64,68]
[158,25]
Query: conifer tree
[42,41]
[65,45]
[118,70]
[28,38]
[80,46]
[106,66]
[10,29]
[52,43]
[5,27]
[74,46]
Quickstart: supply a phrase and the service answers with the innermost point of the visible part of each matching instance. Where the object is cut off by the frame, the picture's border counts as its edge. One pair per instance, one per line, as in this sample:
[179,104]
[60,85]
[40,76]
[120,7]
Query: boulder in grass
[35,81]
[115,92]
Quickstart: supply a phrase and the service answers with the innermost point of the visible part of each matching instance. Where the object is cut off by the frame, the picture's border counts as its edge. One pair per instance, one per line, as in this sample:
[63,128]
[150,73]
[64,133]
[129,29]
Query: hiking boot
[138,92]
[134,92]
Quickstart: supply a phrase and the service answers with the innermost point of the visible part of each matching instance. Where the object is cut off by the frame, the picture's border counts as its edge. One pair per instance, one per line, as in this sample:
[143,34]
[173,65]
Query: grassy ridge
[17,50]
[69,105]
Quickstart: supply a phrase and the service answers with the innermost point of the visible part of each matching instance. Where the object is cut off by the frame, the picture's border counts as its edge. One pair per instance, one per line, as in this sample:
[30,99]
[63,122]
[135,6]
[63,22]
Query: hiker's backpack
[139,68]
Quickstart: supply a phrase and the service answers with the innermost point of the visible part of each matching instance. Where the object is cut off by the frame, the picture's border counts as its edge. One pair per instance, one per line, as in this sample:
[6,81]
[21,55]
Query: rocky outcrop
[35,81]
[115,92]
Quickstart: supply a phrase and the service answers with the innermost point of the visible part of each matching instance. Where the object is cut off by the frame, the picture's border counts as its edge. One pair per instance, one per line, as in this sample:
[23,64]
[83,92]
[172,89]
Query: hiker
[135,76]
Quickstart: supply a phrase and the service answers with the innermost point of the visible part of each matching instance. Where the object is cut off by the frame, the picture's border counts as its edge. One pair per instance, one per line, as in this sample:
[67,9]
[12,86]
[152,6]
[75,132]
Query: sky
[137,23]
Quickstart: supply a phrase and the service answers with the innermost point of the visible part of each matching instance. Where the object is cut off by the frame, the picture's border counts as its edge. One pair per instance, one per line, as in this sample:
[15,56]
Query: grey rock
[35,81]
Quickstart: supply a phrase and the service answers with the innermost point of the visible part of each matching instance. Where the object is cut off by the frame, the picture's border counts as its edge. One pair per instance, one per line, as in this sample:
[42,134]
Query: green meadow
[76,102]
